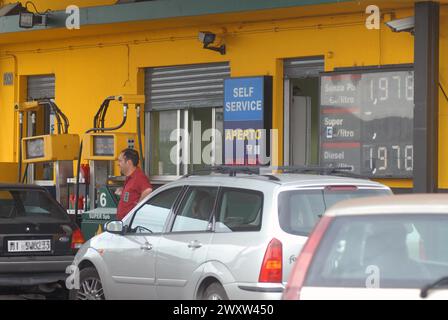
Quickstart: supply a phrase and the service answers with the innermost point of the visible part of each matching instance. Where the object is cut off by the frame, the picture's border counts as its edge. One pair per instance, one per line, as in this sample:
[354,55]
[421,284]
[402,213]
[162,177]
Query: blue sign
[246,118]
[243,99]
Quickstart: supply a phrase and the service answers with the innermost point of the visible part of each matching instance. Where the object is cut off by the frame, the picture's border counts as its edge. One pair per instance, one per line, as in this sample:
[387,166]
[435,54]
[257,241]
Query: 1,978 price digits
[382,159]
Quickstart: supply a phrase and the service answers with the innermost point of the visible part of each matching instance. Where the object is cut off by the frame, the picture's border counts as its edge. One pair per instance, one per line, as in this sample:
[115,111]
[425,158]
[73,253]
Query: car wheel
[90,287]
[215,291]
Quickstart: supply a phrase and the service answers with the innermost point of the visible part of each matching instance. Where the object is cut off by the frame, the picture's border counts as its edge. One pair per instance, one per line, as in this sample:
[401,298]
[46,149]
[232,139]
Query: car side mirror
[115,227]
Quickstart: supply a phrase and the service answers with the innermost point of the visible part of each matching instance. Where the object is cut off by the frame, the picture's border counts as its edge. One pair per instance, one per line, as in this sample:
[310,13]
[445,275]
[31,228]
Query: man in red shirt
[136,185]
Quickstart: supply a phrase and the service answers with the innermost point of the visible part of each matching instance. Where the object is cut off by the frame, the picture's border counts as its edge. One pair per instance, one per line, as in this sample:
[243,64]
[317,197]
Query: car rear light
[300,269]
[272,268]
[341,188]
[77,239]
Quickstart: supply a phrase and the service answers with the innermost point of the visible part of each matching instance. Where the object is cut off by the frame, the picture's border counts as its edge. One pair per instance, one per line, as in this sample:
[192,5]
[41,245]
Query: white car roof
[285,179]
[399,204]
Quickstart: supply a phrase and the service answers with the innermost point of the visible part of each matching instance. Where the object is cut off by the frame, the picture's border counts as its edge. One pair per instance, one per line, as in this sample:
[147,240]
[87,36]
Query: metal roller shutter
[303,68]
[41,87]
[188,86]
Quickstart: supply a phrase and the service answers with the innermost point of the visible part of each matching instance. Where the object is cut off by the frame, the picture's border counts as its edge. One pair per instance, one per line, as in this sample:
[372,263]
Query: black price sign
[367,120]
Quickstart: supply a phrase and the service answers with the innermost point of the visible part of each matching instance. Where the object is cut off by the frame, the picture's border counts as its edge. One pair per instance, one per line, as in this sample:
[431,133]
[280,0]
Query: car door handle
[146,247]
[194,245]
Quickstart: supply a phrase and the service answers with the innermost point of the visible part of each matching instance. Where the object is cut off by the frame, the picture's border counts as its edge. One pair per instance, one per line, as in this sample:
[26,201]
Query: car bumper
[24,271]
[254,291]
[15,280]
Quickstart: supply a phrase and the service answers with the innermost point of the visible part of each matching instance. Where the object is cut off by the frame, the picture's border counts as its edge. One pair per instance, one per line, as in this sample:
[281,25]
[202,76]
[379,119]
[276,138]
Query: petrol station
[328,90]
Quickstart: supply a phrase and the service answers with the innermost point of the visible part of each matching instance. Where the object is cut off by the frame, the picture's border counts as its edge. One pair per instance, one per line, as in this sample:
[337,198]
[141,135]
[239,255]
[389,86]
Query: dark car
[38,239]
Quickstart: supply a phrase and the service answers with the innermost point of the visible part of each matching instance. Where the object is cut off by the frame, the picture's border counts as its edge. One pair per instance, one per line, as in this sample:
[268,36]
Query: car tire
[91,287]
[215,291]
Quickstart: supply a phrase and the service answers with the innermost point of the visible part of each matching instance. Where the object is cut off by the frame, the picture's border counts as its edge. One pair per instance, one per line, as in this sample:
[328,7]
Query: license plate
[29,246]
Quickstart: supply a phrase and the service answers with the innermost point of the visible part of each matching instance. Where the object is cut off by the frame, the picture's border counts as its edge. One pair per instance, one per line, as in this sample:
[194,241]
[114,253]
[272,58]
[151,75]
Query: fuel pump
[59,149]
[102,147]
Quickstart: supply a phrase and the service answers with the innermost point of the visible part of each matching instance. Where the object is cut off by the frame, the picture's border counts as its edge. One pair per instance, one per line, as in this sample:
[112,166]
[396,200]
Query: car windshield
[398,251]
[29,204]
[300,210]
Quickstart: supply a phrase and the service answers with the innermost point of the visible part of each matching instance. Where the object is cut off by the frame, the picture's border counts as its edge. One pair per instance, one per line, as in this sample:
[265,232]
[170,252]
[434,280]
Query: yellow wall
[443,103]
[8,172]
[89,69]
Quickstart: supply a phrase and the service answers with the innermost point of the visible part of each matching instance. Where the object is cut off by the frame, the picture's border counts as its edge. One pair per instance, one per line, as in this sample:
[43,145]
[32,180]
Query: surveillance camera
[402,25]
[207,37]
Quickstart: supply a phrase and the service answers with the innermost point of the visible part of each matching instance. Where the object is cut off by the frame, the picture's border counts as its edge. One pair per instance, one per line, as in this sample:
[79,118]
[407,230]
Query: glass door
[165,134]
[205,137]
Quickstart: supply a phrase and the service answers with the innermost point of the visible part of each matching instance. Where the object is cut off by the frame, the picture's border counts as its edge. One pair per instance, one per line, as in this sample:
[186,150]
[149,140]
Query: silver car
[211,237]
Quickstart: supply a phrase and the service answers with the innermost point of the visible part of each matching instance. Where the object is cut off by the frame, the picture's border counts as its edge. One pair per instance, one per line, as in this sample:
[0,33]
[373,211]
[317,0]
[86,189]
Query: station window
[184,118]
[301,110]
[184,141]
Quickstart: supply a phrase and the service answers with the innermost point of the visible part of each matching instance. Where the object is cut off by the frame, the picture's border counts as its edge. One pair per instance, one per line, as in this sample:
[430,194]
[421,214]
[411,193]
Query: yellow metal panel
[27,106]
[54,148]
[131,99]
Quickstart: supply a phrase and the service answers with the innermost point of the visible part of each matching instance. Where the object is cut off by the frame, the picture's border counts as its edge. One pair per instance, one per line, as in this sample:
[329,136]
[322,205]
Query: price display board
[367,121]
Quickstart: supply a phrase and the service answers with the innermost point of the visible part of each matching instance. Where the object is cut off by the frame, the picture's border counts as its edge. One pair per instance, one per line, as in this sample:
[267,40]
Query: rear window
[16,204]
[300,210]
[239,210]
[400,251]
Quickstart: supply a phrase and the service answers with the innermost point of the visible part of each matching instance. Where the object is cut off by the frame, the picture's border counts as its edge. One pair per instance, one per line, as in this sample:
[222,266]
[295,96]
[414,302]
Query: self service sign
[247,120]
